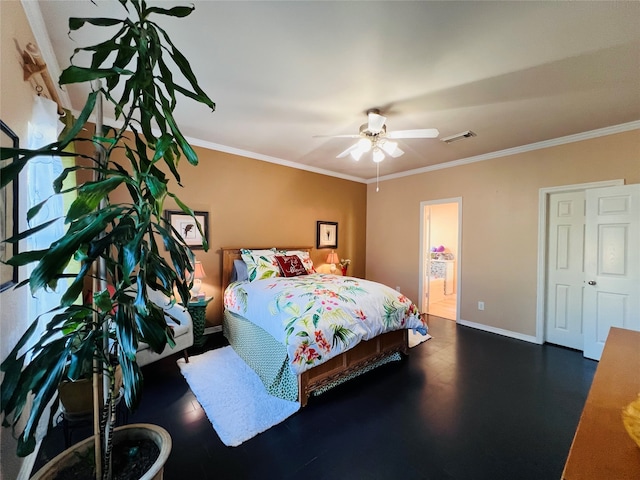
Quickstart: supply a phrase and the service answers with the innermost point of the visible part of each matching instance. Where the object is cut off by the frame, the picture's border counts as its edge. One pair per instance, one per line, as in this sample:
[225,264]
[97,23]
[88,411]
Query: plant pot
[76,398]
[136,431]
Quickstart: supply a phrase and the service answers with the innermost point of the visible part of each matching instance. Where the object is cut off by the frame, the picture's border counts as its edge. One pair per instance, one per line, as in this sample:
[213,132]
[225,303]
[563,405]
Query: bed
[324,347]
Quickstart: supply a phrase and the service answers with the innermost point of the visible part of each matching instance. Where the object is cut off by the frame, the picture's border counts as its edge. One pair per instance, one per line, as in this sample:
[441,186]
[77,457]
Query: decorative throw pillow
[291,265]
[304,256]
[260,264]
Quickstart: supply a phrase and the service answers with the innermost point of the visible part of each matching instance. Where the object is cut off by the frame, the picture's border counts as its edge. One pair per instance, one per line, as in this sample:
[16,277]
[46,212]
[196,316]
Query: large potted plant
[117,244]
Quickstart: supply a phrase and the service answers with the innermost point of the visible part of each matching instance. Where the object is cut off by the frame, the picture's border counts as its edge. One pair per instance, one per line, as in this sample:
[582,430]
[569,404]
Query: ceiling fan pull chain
[377,177]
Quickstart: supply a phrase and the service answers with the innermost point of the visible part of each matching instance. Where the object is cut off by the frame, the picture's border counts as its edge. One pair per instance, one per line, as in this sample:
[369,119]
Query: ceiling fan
[374,137]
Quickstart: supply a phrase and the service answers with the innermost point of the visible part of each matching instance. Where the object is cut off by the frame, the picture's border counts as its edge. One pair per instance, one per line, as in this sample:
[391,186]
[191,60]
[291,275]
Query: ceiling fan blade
[397,153]
[336,136]
[419,133]
[376,122]
[348,151]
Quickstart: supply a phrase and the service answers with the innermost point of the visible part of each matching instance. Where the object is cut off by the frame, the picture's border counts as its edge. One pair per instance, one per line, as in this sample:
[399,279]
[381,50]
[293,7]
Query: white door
[612,264]
[565,269]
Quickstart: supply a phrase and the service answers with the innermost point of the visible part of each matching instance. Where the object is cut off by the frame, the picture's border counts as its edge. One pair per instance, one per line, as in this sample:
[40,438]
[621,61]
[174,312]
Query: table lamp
[333,259]
[198,275]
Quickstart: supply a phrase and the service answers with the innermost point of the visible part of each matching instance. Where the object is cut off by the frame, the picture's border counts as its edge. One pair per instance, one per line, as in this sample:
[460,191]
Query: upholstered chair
[183,331]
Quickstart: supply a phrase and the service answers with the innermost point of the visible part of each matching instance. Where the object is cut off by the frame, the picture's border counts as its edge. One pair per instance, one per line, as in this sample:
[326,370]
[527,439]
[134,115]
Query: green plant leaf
[126,51]
[31,231]
[90,195]
[82,119]
[25,258]
[74,74]
[75,23]
[157,187]
[173,12]
[103,301]
[59,181]
[56,258]
[185,68]
[10,172]
[74,290]
[191,155]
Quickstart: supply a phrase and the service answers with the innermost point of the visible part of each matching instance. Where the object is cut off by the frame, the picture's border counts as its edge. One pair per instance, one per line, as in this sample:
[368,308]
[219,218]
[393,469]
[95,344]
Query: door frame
[543,212]
[424,247]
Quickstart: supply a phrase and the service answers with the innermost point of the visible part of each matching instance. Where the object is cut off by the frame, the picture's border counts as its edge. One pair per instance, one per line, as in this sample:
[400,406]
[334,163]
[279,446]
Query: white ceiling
[515,73]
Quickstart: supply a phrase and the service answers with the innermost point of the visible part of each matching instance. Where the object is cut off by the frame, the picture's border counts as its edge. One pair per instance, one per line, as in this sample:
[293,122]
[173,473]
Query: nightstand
[198,309]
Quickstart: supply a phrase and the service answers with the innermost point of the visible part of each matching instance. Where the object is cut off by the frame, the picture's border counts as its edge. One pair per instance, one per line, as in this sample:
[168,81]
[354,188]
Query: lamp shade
[333,257]
[198,271]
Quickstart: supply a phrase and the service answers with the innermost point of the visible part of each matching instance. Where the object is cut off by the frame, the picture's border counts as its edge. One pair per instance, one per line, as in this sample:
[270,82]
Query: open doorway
[440,257]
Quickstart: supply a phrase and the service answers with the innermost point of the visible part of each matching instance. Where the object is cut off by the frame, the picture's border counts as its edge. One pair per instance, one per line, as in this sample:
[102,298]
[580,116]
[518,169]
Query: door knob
[592,282]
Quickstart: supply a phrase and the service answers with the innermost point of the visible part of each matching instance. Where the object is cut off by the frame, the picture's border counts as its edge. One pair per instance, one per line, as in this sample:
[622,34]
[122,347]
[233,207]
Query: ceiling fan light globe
[378,155]
[389,147]
[364,145]
[376,122]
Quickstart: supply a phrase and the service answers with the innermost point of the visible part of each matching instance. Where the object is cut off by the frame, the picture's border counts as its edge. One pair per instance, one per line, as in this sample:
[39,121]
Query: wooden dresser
[601,448]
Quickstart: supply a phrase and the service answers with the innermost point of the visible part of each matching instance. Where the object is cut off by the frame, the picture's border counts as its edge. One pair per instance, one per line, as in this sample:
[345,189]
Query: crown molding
[269,159]
[578,137]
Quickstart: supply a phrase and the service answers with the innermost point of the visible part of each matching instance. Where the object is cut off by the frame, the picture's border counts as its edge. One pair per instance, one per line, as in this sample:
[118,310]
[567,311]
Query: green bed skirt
[266,356]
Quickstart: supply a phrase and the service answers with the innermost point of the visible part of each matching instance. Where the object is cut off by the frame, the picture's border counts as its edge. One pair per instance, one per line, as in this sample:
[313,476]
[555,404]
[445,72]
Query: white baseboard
[500,331]
[210,330]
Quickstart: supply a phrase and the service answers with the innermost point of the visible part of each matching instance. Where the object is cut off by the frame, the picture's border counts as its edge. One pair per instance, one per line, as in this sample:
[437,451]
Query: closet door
[612,264]
[565,269]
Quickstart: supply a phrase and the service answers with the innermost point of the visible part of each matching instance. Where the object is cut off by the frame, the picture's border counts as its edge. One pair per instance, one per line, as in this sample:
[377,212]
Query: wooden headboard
[229,254]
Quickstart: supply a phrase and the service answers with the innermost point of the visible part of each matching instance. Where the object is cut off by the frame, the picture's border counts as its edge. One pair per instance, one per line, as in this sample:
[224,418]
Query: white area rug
[417,338]
[232,395]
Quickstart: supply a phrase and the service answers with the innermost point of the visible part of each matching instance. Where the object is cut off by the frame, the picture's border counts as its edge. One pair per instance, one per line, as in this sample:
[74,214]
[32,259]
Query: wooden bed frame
[364,354]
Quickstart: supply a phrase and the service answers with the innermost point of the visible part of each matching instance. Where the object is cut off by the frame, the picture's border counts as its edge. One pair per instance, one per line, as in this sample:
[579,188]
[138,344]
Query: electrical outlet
[398,288]
[480,305]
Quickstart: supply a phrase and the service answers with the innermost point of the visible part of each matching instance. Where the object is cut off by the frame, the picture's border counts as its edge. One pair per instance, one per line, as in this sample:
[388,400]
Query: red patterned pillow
[291,265]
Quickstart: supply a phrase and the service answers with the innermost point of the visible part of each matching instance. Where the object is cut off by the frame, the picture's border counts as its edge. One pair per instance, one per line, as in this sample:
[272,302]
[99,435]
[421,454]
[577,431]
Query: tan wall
[16,101]
[258,204]
[499,222]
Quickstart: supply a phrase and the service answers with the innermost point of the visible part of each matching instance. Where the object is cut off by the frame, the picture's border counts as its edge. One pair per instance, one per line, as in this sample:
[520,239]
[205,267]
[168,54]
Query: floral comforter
[319,316]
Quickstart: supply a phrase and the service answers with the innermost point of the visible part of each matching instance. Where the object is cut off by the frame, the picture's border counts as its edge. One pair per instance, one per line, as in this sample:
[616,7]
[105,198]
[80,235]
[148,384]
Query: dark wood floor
[465,405]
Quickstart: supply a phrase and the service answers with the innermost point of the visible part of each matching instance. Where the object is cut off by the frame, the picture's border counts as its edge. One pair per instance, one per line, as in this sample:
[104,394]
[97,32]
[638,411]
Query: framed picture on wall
[8,212]
[187,227]
[327,235]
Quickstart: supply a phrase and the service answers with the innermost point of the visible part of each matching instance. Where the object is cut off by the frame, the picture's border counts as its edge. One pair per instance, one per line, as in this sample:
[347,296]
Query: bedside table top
[200,303]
